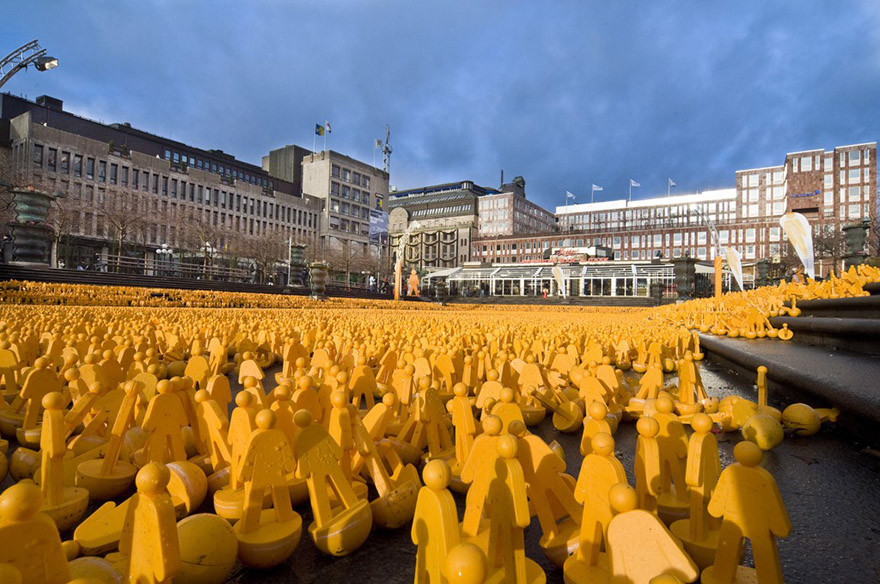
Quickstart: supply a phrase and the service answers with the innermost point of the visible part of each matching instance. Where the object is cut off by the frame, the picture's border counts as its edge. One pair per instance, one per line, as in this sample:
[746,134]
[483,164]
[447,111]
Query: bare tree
[124,217]
[64,219]
[830,244]
[349,257]
[267,250]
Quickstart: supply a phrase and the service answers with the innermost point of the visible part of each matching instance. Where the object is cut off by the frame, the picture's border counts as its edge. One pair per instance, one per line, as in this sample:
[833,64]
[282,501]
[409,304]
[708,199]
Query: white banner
[797,229]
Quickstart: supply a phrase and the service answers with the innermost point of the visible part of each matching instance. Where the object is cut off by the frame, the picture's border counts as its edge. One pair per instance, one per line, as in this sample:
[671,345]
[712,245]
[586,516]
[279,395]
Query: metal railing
[191,268]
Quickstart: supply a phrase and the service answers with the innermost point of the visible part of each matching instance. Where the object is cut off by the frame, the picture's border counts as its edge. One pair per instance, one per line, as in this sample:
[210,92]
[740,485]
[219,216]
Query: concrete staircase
[833,359]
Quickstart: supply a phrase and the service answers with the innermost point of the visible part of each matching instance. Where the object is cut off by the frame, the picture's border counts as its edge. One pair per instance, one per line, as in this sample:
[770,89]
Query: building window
[65,162]
[854,173]
[102,171]
[346,175]
[123,180]
[806,163]
[334,171]
[165,186]
[854,157]
[114,173]
[77,165]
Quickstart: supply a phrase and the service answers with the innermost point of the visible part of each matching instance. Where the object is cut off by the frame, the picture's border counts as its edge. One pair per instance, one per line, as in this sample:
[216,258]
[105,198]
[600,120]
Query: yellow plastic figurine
[149,536]
[482,455]
[672,444]
[30,540]
[435,528]
[507,509]
[748,500]
[335,532]
[267,537]
[639,546]
[647,464]
[65,506]
[164,422]
[699,532]
[600,471]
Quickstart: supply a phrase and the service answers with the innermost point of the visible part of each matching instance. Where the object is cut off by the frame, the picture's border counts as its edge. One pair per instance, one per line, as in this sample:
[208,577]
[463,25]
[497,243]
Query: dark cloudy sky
[563,93]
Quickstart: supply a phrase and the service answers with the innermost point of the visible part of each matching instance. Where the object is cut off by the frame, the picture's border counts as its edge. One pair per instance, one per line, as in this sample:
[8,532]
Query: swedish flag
[319,129]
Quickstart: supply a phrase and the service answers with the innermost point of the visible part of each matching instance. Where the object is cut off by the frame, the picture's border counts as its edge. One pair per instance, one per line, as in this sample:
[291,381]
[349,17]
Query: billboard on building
[378,226]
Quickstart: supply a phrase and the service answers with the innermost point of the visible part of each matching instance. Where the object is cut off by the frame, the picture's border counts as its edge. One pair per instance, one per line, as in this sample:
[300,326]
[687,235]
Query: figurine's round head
[507,446]
[304,382]
[460,389]
[108,354]
[424,383]
[250,381]
[466,564]
[153,369]
[41,362]
[21,501]
[197,352]
[247,356]
[337,399]
[516,428]
[53,401]
[597,410]
[300,362]
[492,375]
[282,392]
[748,453]
[334,370]
[71,374]
[492,425]
[202,396]
[362,360]
[602,443]
[95,388]
[530,359]
[302,418]
[507,395]
[664,404]
[389,399]
[436,475]
[409,370]
[647,427]
[90,359]
[266,419]
[164,386]
[153,478]
[622,497]
[244,399]
[468,359]
[701,423]
[342,377]
[606,360]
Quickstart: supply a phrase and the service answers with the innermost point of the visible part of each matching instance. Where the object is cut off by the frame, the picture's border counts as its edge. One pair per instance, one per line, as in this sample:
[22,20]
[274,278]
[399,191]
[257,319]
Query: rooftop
[621,204]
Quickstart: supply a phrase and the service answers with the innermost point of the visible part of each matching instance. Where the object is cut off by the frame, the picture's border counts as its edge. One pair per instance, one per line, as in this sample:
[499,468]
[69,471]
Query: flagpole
[314,141]
[668,187]
[592,193]
[630,191]
[325,139]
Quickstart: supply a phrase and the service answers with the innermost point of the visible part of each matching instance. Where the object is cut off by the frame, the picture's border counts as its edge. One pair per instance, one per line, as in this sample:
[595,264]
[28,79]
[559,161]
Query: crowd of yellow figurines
[132,413]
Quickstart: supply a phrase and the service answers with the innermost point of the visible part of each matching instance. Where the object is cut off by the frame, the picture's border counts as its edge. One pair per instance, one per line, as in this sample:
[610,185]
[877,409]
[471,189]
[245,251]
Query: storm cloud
[563,93]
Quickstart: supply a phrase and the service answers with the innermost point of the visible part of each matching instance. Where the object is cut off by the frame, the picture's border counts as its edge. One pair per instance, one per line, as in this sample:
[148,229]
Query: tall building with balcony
[508,212]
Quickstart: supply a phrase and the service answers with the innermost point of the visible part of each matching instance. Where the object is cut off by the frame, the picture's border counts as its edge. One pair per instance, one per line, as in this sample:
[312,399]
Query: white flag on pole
[635,272]
[633,183]
[327,125]
[569,195]
[597,188]
[671,182]
[734,262]
[797,229]
[378,142]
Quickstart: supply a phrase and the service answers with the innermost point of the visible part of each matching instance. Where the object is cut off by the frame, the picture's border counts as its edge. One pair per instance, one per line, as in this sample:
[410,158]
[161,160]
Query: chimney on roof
[50,102]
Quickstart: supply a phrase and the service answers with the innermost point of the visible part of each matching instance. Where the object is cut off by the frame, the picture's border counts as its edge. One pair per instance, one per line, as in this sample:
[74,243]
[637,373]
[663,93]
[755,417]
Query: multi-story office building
[438,221]
[830,188]
[348,189]
[508,212]
[125,185]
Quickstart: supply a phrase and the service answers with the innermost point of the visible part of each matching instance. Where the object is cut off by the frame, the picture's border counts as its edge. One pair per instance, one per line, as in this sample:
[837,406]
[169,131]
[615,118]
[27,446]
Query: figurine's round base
[564,544]
[577,571]
[218,480]
[228,503]
[188,484]
[534,575]
[72,508]
[702,552]
[208,548]
[568,418]
[29,437]
[95,569]
[101,488]
[670,509]
[744,575]
[10,423]
[346,532]
[533,415]
[270,544]
[397,507]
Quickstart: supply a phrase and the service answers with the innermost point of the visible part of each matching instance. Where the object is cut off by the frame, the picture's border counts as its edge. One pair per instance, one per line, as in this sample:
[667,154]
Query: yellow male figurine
[413,284]
[647,464]
[149,534]
[163,422]
[507,508]
[482,455]
[64,505]
[435,524]
[748,500]
[699,532]
[463,422]
[600,471]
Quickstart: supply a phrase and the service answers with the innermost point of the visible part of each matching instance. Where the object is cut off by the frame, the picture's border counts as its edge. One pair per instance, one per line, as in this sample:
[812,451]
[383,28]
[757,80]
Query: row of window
[346,192]
[219,168]
[348,175]
[137,179]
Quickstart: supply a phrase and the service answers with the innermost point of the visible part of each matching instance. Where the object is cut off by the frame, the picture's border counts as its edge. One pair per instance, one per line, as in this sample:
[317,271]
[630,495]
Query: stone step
[860,335]
[818,376]
[855,307]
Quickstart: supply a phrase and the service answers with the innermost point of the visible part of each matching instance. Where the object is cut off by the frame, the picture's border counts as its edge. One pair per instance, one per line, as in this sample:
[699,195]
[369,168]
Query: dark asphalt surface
[828,483]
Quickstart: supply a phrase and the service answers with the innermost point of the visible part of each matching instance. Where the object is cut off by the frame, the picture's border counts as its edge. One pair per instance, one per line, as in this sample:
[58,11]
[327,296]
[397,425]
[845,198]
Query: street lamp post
[167,254]
[21,58]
